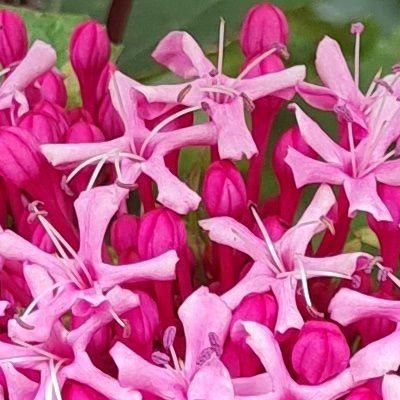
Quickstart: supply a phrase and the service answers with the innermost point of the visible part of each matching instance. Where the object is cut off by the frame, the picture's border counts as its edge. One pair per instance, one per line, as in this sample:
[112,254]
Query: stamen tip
[356,28]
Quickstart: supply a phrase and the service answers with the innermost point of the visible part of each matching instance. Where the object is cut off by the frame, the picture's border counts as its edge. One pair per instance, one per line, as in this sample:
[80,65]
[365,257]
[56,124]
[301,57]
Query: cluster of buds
[121,280]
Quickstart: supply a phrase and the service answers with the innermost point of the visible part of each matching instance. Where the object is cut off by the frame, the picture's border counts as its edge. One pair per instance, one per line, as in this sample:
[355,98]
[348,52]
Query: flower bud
[321,352]
[104,81]
[363,393]
[13,38]
[274,227]
[82,132]
[55,111]
[109,120]
[264,26]
[143,322]
[160,230]
[224,191]
[89,48]
[124,233]
[79,114]
[52,88]
[42,126]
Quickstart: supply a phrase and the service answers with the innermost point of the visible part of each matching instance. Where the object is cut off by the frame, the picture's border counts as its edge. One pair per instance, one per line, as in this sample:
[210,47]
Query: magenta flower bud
[160,230]
[55,111]
[42,126]
[274,226]
[52,88]
[79,114]
[363,393]
[123,233]
[13,38]
[104,81]
[74,390]
[263,26]
[82,132]
[224,191]
[144,323]
[109,120]
[320,352]
[89,48]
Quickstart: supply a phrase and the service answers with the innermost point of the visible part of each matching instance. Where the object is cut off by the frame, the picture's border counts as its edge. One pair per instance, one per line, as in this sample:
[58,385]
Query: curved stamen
[267,239]
[384,84]
[372,86]
[131,156]
[352,148]
[117,319]
[53,380]
[84,164]
[377,163]
[163,124]
[314,274]
[183,93]
[96,172]
[38,350]
[19,359]
[356,29]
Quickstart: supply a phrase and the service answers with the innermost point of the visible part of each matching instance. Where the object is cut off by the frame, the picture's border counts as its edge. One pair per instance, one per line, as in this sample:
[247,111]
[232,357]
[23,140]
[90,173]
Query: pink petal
[18,385]
[390,387]
[181,54]
[317,96]
[363,196]
[349,306]
[318,140]
[40,58]
[135,372]
[68,155]
[211,382]
[389,173]
[160,268]
[234,138]
[172,192]
[94,210]
[198,135]
[202,313]
[307,170]
[257,280]
[38,281]
[333,70]
[297,238]
[288,314]
[254,385]
[227,231]
[377,358]
[262,86]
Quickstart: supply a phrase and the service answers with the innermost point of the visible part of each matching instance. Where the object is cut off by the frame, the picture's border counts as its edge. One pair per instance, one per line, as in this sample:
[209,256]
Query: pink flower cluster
[120,281]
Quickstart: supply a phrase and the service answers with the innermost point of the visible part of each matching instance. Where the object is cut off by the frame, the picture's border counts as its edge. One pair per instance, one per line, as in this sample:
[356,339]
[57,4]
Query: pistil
[356,29]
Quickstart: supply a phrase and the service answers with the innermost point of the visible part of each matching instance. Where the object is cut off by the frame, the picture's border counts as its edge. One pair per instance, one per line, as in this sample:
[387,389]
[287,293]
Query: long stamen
[357,29]
[164,123]
[352,148]
[96,172]
[117,319]
[221,45]
[19,359]
[38,350]
[314,274]
[372,86]
[54,382]
[376,164]
[85,164]
[267,239]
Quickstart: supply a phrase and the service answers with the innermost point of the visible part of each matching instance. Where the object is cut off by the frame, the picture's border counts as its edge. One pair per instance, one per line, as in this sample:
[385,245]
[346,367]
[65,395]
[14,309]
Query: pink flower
[279,265]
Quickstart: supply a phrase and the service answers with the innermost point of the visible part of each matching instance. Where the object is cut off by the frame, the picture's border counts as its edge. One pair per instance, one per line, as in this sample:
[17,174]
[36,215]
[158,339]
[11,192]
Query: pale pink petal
[211,382]
[297,238]
[288,314]
[68,155]
[38,281]
[40,58]
[262,342]
[202,313]
[82,370]
[254,385]
[182,55]
[333,70]
[390,387]
[227,231]
[349,306]
[307,170]
[377,359]
[94,210]
[317,96]
[172,192]
[18,385]
[262,86]
[198,135]
[4,304]
[318,140]
[160,268]
[257,280]
[363,196]
[137,373]
[234,138]
[389,173]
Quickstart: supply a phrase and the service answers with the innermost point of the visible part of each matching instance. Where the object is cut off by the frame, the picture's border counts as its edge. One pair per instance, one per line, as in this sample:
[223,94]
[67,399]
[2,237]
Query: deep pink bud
[79,114]
[123,233]
[109,120]
[73,390]
[55,111]
[52,88]
[274,226]
[224,191]
[89,48]
[363,393]
[104,81]
[82,132]
[263,26]
[13,39]
[42,126]
[321,352]
[160,230]
[143,322]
